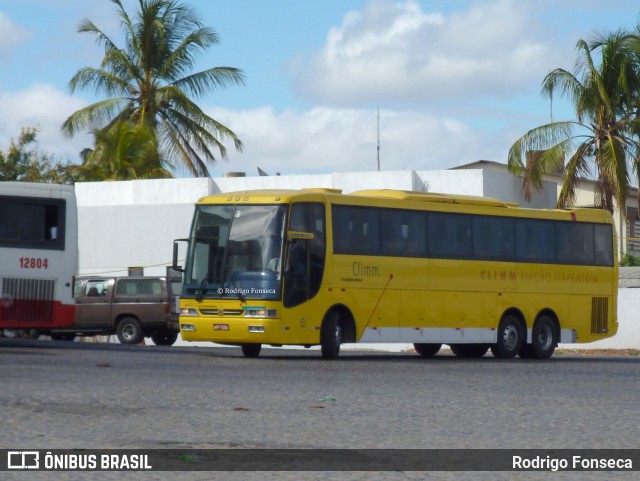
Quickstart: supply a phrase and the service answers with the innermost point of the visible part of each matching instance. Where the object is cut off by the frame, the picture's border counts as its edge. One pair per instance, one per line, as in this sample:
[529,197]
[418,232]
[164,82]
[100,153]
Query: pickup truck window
[136,287]
[96,288]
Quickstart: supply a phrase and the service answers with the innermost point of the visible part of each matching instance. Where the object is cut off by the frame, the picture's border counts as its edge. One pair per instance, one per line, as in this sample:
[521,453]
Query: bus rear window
[36,223]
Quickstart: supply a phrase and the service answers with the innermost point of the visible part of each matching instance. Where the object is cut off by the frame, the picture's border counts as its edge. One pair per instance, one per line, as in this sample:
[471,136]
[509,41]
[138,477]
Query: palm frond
[538,139]
[93,116]
[576,170]
[100,81]
[211,79]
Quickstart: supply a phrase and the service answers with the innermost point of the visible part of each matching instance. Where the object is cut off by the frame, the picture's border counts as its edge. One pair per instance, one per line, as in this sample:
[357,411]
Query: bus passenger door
[296,272]
[305,253]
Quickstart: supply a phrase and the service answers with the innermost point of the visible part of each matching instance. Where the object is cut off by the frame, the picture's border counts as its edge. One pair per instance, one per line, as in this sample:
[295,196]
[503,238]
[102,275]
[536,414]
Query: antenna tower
[378,108]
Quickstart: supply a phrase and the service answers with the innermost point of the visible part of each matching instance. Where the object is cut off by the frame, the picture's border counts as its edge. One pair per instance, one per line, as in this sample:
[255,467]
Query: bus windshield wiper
[203,288]
[203,285]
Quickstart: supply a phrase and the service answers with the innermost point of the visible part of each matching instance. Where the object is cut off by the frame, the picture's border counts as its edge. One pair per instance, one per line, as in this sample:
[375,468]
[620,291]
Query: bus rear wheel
[469,350]
[251,350]
[510,338]
[544,338]
[427,350]
[331,336]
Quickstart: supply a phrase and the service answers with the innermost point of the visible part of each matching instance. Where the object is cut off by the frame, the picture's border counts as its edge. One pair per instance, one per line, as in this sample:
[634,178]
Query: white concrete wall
[133,224]
[352,181]
[232,184]
[136,192]
[464,182]
[507,187]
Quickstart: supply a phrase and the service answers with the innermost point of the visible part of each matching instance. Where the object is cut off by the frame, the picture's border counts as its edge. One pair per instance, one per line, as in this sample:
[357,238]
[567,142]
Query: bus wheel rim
[510,337]
[544,337]
[338,335]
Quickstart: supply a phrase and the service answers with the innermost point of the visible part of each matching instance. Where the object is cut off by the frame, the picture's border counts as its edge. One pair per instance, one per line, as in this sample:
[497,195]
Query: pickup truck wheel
[164,337]
[129,331]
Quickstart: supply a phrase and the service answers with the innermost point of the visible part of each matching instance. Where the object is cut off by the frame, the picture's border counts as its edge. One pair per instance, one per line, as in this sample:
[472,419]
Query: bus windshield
[236,251]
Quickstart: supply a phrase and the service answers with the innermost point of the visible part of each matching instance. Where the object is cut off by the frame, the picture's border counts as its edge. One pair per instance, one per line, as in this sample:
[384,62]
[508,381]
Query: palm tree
[603,136]
[148,83]
[124,152]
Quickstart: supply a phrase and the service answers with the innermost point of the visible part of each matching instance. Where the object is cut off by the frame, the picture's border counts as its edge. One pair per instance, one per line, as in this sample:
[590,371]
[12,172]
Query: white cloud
[12,36]
[324,140]
[395,52]
[44,107]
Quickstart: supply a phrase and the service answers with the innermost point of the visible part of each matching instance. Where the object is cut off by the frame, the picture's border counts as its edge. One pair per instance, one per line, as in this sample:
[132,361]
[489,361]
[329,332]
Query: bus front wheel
[164,337]
[331,336]
[510,338]
[251,350]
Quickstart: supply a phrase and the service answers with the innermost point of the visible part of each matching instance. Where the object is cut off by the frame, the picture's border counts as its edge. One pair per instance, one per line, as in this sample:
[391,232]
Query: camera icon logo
[23,460]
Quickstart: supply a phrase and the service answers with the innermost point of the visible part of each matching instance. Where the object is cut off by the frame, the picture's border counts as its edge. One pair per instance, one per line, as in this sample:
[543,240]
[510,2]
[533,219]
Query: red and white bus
[38,255]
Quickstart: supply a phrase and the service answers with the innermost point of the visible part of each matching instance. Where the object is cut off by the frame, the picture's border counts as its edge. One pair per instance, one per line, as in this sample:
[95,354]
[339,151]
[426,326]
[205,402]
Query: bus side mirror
[176,250]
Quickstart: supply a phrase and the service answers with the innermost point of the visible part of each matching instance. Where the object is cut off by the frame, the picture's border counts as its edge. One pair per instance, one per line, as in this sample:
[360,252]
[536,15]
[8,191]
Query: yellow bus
[318,267]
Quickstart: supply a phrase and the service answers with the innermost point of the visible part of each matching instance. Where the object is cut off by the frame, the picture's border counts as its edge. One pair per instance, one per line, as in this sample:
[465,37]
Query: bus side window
[574,243]
[51,223]
[535,241]
[450,235]
[493,238]
[603,245]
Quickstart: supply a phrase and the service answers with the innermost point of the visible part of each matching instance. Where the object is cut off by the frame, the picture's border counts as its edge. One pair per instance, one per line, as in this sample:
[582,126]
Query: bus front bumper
[225,330]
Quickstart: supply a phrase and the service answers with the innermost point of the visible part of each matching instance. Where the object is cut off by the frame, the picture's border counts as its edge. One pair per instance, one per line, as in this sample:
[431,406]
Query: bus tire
[510,338]
[544,338]
[470,351]
[251,350]
[526,352]
[164,337]
[63,336]
[331,336]
[427,350]
[129,331]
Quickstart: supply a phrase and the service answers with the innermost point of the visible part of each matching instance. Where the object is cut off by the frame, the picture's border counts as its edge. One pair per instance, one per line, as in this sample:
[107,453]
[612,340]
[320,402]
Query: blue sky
[455,81]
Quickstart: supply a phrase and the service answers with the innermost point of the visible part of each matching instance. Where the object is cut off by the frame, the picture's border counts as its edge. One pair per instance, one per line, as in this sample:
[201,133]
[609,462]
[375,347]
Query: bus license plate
[221,327]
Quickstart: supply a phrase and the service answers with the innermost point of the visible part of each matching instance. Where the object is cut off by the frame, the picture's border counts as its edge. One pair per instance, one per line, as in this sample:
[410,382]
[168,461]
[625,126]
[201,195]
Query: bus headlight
[188,311]
[187,327]
[260,313]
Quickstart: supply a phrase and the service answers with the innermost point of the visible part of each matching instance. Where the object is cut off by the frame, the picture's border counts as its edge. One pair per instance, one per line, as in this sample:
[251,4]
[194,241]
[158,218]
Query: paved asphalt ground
[58,395]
